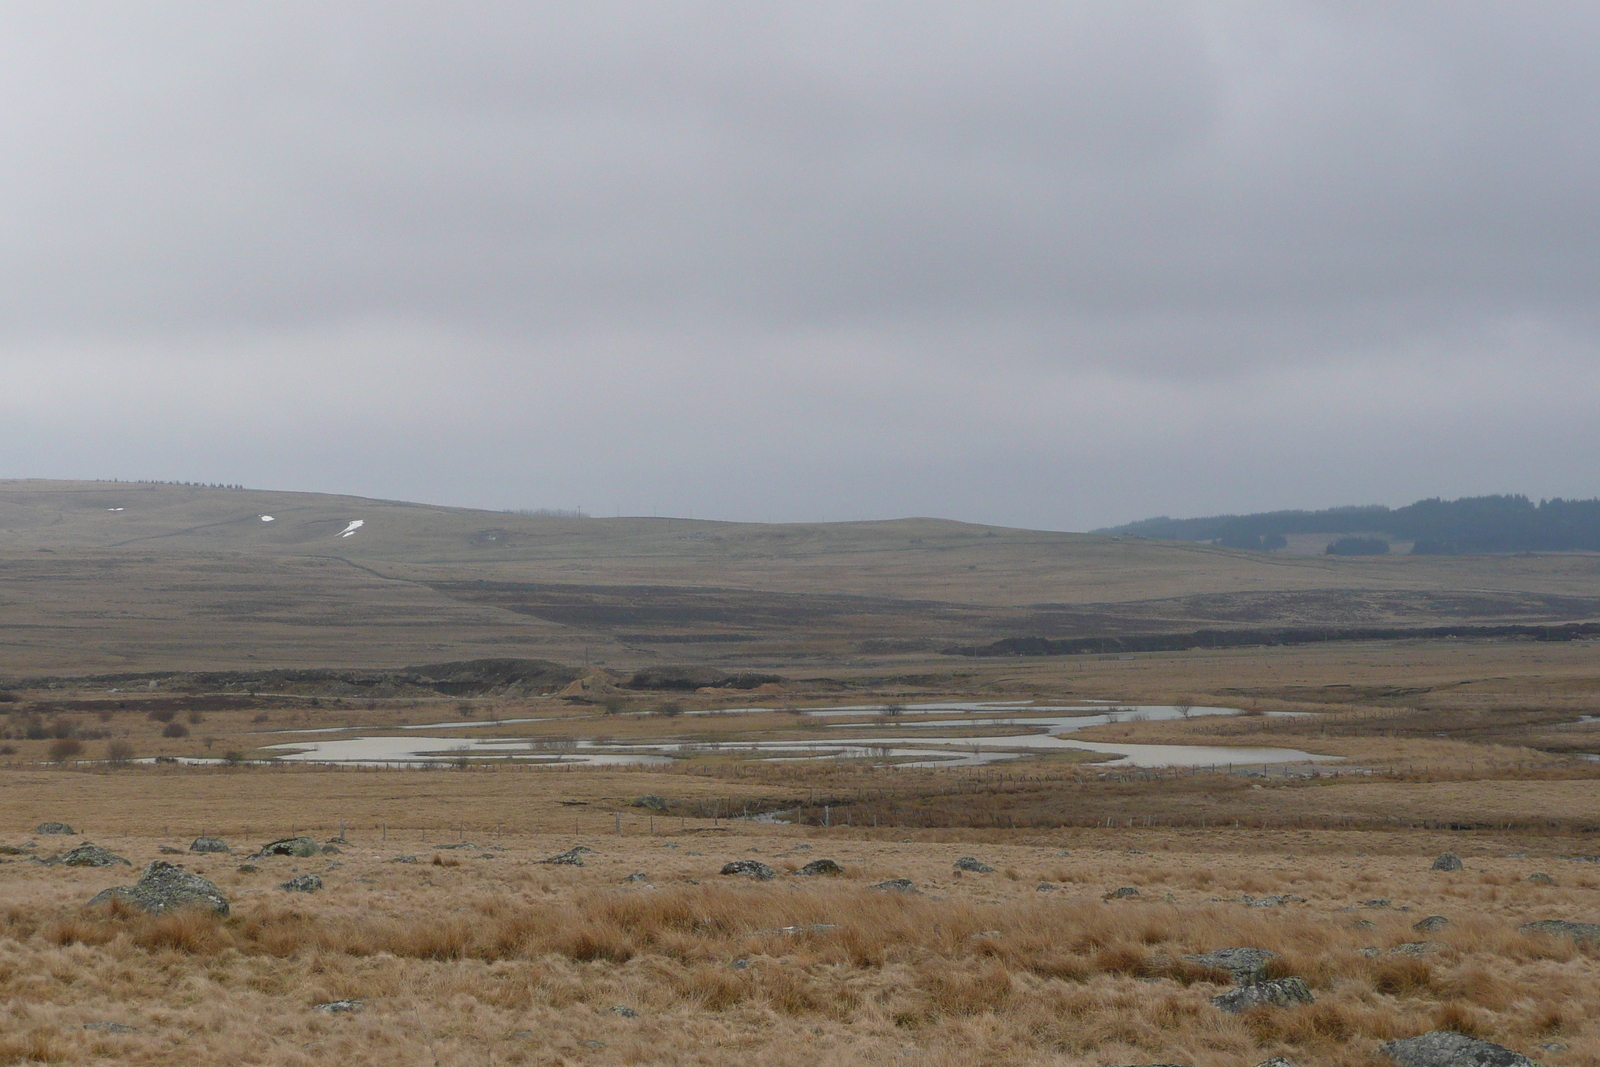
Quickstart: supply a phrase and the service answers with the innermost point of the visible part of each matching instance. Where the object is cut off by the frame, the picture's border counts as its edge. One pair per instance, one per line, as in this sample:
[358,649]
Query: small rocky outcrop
[53,828]
[1449,861]
[1123,893]
[1245,965]
[1277,993]
[821,866]
[1540,878]
[1562,928]
[897,885]
[976,866]
[302,883]
[1418,949]
[87,855]
[209,844]
[1276,1061]
[163,887]
[572,857]
[339,1007]
[303,847]
[1432,924]
[750,869]
[651,801]
[1446,1048]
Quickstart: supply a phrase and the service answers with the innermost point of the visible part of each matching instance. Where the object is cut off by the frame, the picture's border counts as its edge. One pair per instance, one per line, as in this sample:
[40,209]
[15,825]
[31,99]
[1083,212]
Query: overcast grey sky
[1044,264]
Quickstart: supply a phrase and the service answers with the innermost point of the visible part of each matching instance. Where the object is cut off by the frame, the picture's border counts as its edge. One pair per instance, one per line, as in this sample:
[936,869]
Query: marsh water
[939,735]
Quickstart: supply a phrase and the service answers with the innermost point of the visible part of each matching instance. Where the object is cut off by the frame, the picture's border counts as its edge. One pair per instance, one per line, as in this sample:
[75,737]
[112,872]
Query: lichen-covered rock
[1449,861]
[303,883]
[572,857]
[1418,949]
[1278,993]
[303,847]
[750,869]
[1245,965]
[1446,1048]
[209,844]
[163,887]
[1562,928]
[897,885]
[87,855]
[1432,924]
[976,866]
[1540,878]
[339,1007]
[820,866]
[53,828]
[1123,893]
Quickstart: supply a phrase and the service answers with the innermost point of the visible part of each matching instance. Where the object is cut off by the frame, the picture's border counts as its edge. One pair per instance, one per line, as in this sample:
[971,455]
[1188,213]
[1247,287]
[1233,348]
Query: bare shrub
[119,753]
[175,729]
[63,749]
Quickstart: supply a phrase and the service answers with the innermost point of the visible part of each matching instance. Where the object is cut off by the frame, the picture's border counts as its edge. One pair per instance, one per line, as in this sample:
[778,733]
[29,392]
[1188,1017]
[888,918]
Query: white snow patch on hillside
[349,531]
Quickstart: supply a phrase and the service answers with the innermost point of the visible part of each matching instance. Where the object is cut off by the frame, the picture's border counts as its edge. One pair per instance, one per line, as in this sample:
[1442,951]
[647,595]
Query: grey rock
[1246,965]
[1045,887]
[248,868]
[1370,952]
[168,850]
[1449,861]
[331,850]
[1446,1048]
[976,866]
[1418,949]
[164,887]
[1278,993]
[1540,878]
[53,828]
[203,843]
[1562,928]
[1123,893]
[304,847]
[111,1028]
[1366,924]
[624,1011]
[1432,924]
[1376,902]
[651,801]
[1276,1061]
[87,855]
[897,885]
[637,876]
[820,866]
[302,883]
[404,859]
[339,1007]
[572,857]
[750,869]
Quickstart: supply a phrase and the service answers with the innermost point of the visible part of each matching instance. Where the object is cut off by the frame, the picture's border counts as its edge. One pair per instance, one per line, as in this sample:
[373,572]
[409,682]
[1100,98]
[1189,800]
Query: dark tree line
[1435,526]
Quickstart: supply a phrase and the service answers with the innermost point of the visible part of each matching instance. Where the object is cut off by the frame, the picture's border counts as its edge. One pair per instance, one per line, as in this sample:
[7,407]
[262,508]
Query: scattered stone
[1376,902]
[651,801]
[1366,924]
[750,869]
[53,828]
[1276,1061]
[204,843]
[248,868]
[820,866]
[1270,902]
[1123,893]
[1562,928]
[1446,1048]
[740,964]
[87,855]
[168,850]
[463,844]
[624,1011]
[304,847]
[1370,952]
[1418,949]
[1432,924]
[163,887]
[1449,861]
[303,883]
[897,885]
[1044,887]
[572,857]
[637,876]
[1278,993]
[969,863]
[1246,965]
[111,1028]
[339,1007]
[1540,878]
[331,850]
[404,859]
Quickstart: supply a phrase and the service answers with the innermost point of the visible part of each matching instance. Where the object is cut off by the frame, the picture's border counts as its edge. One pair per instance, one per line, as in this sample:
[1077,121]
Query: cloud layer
[1033,263]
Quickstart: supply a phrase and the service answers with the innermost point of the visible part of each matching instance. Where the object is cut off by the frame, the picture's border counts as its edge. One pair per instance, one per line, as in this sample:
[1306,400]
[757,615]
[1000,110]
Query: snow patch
[267,518]
[349,531]
[116,509]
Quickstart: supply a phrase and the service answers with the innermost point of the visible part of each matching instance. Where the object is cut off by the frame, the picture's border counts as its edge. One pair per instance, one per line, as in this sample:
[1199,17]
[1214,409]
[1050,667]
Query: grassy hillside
[97,575]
